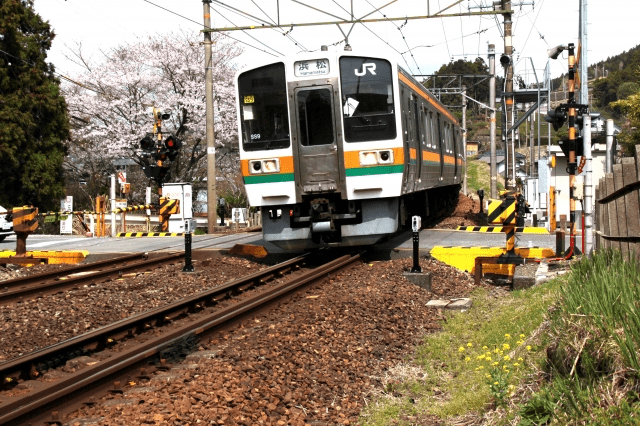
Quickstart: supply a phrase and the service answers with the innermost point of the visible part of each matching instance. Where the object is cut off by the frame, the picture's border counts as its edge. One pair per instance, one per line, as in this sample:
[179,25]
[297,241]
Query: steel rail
[54,274]
[47,286]
[40,401]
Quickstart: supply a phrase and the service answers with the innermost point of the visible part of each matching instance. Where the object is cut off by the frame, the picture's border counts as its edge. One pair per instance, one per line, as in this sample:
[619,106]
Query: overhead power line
[209,28]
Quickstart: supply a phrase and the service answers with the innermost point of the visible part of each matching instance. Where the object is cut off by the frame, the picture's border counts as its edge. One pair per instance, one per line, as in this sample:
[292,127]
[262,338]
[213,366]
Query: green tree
[33,114]
[477,87]
[630,135]
[627,89]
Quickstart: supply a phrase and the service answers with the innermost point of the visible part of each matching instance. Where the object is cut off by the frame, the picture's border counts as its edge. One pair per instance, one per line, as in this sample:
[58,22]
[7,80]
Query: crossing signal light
[147,143]
[172,145]
[557,118]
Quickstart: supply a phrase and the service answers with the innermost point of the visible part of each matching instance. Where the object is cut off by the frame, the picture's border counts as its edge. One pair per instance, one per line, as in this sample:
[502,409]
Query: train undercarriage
[326,220]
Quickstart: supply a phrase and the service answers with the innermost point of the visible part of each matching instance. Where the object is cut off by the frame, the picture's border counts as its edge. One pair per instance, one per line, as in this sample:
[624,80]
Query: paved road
[403,242]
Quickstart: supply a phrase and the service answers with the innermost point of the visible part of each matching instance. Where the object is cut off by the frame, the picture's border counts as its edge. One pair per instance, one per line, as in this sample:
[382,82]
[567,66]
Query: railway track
[137,341]
[86,274]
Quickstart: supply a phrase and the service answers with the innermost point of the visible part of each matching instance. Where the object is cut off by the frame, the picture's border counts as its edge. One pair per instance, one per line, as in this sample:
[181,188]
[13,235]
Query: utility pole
[212,197]
[507,61]
[464,136]
[492,125]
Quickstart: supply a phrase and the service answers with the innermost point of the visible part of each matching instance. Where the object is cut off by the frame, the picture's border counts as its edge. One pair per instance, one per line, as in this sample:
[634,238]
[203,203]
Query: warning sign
[122,177]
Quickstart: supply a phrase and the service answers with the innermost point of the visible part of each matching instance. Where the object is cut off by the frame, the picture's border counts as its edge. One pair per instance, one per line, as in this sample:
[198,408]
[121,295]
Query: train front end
[319,149]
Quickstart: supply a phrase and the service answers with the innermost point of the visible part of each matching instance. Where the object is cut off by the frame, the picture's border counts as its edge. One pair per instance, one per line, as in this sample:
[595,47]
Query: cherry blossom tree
[111,103]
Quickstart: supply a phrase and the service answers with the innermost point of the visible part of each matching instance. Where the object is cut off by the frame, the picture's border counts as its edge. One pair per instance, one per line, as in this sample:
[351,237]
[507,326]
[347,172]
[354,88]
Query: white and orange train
[341,148]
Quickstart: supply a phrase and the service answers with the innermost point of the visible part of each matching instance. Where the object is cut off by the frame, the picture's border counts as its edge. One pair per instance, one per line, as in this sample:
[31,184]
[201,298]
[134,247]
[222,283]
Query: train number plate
[249,99]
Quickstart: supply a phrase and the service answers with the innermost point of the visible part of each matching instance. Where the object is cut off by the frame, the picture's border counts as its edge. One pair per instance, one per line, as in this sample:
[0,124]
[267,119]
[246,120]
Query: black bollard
[188,266]
[415,226]
[222,204]
[481,195]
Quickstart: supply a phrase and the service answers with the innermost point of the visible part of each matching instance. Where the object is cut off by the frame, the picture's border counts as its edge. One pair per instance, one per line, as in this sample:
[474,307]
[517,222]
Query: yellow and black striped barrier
[52,256]
[463,258]
[500,229]
[56,216]
[502,212]
[149,234]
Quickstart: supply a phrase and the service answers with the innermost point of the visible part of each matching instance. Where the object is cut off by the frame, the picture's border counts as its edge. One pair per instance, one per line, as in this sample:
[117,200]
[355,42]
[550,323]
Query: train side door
[317,149]
[417,113]
[456,138]
[441,145]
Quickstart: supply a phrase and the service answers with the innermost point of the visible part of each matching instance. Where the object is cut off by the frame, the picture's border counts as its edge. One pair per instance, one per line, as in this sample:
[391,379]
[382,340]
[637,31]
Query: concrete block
[460,304]
[421,279]
[438,304]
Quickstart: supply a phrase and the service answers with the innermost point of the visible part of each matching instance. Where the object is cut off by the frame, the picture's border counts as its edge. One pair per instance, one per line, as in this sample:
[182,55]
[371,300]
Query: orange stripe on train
[352,158]
[286,165]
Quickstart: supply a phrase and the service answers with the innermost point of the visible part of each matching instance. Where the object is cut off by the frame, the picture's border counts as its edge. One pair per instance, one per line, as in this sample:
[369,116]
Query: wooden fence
[617,207]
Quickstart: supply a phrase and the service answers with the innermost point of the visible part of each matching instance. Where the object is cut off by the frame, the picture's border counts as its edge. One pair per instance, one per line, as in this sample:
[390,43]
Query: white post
[112,195]
[92,225]
[588,187]
[609,163]
[147,201]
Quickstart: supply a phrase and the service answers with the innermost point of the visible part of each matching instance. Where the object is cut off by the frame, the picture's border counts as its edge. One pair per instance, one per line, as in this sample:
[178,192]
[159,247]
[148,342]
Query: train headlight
[385,157]
[271,165]
[368,158]
[255,167]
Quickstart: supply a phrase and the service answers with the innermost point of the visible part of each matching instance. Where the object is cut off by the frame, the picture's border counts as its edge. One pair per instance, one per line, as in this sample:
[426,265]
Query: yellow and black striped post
[572,163]
[167,207]
[504,212]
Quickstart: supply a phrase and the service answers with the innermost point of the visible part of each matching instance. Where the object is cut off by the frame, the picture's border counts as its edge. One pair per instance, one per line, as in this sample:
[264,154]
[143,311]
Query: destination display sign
[312,67]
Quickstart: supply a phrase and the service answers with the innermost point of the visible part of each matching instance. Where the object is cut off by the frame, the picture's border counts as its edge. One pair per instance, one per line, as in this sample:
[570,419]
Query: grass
[479,177]
[445,383]
[577,362]
[591,373]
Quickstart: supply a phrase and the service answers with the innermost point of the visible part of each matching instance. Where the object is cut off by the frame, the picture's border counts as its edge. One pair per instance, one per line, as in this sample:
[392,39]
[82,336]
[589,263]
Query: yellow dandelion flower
[461,349]
[484,348]
[528,347]
[506,347]
[506,358]
[495,383]
[506,371]
[495,363]
[488,359]
[519,342]
[480,357]
[520,359]
[515,364]
[497,351]
[522,336]
[481,367]
[488,376]
[507,336]
[470,344]
[488,354]
[467,359]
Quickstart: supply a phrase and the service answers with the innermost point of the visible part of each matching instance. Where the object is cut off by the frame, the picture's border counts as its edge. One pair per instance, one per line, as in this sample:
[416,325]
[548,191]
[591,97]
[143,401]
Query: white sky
[101,25]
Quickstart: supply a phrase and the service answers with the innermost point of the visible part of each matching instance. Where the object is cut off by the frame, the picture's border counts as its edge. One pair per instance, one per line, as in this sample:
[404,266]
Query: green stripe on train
[378,170]
[280,177]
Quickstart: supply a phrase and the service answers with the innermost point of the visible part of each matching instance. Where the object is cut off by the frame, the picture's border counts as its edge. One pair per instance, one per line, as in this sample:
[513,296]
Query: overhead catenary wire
[373,32]
[258,20]
[200,24]
[444,31]
[403,37]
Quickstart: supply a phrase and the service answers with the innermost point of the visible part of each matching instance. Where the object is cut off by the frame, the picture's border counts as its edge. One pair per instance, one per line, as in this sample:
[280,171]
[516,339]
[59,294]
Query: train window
[315,117]
[263,108]
[367,99]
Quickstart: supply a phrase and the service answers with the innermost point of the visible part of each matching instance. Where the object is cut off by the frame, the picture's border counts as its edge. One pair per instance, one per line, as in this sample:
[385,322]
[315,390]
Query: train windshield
[367,99]
[263,108]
